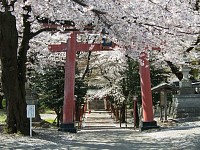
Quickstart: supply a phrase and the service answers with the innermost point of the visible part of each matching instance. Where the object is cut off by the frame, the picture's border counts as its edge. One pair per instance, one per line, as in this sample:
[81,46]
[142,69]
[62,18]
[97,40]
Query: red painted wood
[91,47]
[79,47]
[156,48]
[69,104]
[145,83]
[58,47]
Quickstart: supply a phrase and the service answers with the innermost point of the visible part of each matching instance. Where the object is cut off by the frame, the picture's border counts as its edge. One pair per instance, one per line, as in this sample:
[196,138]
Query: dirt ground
[174,135]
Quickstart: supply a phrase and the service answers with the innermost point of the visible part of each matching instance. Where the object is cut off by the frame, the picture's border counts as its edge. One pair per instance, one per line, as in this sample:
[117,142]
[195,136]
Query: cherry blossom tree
[135,25]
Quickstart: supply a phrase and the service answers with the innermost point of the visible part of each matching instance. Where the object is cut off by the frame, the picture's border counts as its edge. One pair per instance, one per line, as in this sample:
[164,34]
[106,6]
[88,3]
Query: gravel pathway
[106,139]
[182,135]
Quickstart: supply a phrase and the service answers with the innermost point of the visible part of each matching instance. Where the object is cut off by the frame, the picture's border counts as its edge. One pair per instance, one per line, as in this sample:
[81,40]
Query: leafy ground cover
[2,116]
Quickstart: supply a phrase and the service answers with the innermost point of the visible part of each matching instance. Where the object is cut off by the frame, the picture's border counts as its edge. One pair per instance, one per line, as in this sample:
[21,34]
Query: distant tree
[80,92]
[50,88]
[158,75]
[1,97]
[1,100]
[130,84]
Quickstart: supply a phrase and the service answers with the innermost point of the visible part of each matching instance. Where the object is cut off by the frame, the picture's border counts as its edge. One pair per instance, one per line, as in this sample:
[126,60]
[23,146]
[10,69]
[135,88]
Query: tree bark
[175,70]
[117,113]
[123,113]
[1,100]
[58,114]
[16,115]
[77,110]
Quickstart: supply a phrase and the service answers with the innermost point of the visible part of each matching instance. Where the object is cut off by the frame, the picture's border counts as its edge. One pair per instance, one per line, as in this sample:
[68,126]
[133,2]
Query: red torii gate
[69,105]
[70,48]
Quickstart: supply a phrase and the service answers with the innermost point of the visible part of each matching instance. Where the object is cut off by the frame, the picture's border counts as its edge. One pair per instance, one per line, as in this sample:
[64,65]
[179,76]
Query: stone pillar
[163,99]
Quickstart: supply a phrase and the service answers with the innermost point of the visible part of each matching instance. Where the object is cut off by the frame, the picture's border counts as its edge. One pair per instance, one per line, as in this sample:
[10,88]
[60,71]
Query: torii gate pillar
[145,83]
[68,124]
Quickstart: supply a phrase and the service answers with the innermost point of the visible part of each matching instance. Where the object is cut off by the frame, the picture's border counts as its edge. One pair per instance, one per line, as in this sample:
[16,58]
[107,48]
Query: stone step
[98,120]
[98,111]
[98,127]
[99,124]
[98,115]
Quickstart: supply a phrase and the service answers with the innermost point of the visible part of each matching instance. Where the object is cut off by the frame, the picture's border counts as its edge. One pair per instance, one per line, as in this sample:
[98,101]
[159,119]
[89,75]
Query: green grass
[2,116]
[3,113]
[4,103]
[49,120]
[49,111]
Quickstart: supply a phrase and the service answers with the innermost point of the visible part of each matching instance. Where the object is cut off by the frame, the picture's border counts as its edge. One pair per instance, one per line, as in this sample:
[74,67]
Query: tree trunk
[117,113]
[58,114]
[175,70]
[16,115]
[137,119]
[77,110]
[1,100]
[123,113]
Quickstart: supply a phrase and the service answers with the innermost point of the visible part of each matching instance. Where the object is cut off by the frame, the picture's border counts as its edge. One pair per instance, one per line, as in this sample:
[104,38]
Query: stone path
[106,136]
[98,118]
[102,118]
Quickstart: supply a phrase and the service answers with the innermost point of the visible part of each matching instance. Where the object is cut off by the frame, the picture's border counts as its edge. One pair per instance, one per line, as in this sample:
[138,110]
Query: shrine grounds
[178,135]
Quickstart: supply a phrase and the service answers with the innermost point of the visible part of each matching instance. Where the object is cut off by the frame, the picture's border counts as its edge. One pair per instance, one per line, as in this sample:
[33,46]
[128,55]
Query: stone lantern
[187,102]
[30,98]
[185,84]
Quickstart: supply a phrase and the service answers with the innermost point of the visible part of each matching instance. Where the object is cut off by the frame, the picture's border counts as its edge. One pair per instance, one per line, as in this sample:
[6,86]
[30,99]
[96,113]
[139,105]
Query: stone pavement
[106,133]
[107,136]
[97,118]
[102,118]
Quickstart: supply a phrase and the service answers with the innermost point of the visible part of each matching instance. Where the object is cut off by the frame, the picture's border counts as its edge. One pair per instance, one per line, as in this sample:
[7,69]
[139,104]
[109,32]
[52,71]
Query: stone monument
[187,102]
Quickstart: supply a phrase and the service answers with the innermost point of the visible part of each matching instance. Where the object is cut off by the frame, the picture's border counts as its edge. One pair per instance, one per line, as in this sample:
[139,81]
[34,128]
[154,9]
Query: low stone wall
[186,106]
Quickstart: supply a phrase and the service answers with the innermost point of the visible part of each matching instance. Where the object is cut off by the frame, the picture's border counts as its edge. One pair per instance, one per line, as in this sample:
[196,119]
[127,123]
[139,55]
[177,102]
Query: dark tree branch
[175,70]
[33,34]
[85,5]
[87,66]
[95,11]
[80,3]
[6,6]
[195,43]
[197,5]
[106,77]
[160,28]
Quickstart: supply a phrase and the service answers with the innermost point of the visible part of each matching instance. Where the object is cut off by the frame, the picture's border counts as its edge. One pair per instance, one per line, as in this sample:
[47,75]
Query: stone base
[68,127]
[185,84]
[149,125]
[186,106]
[187,91]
